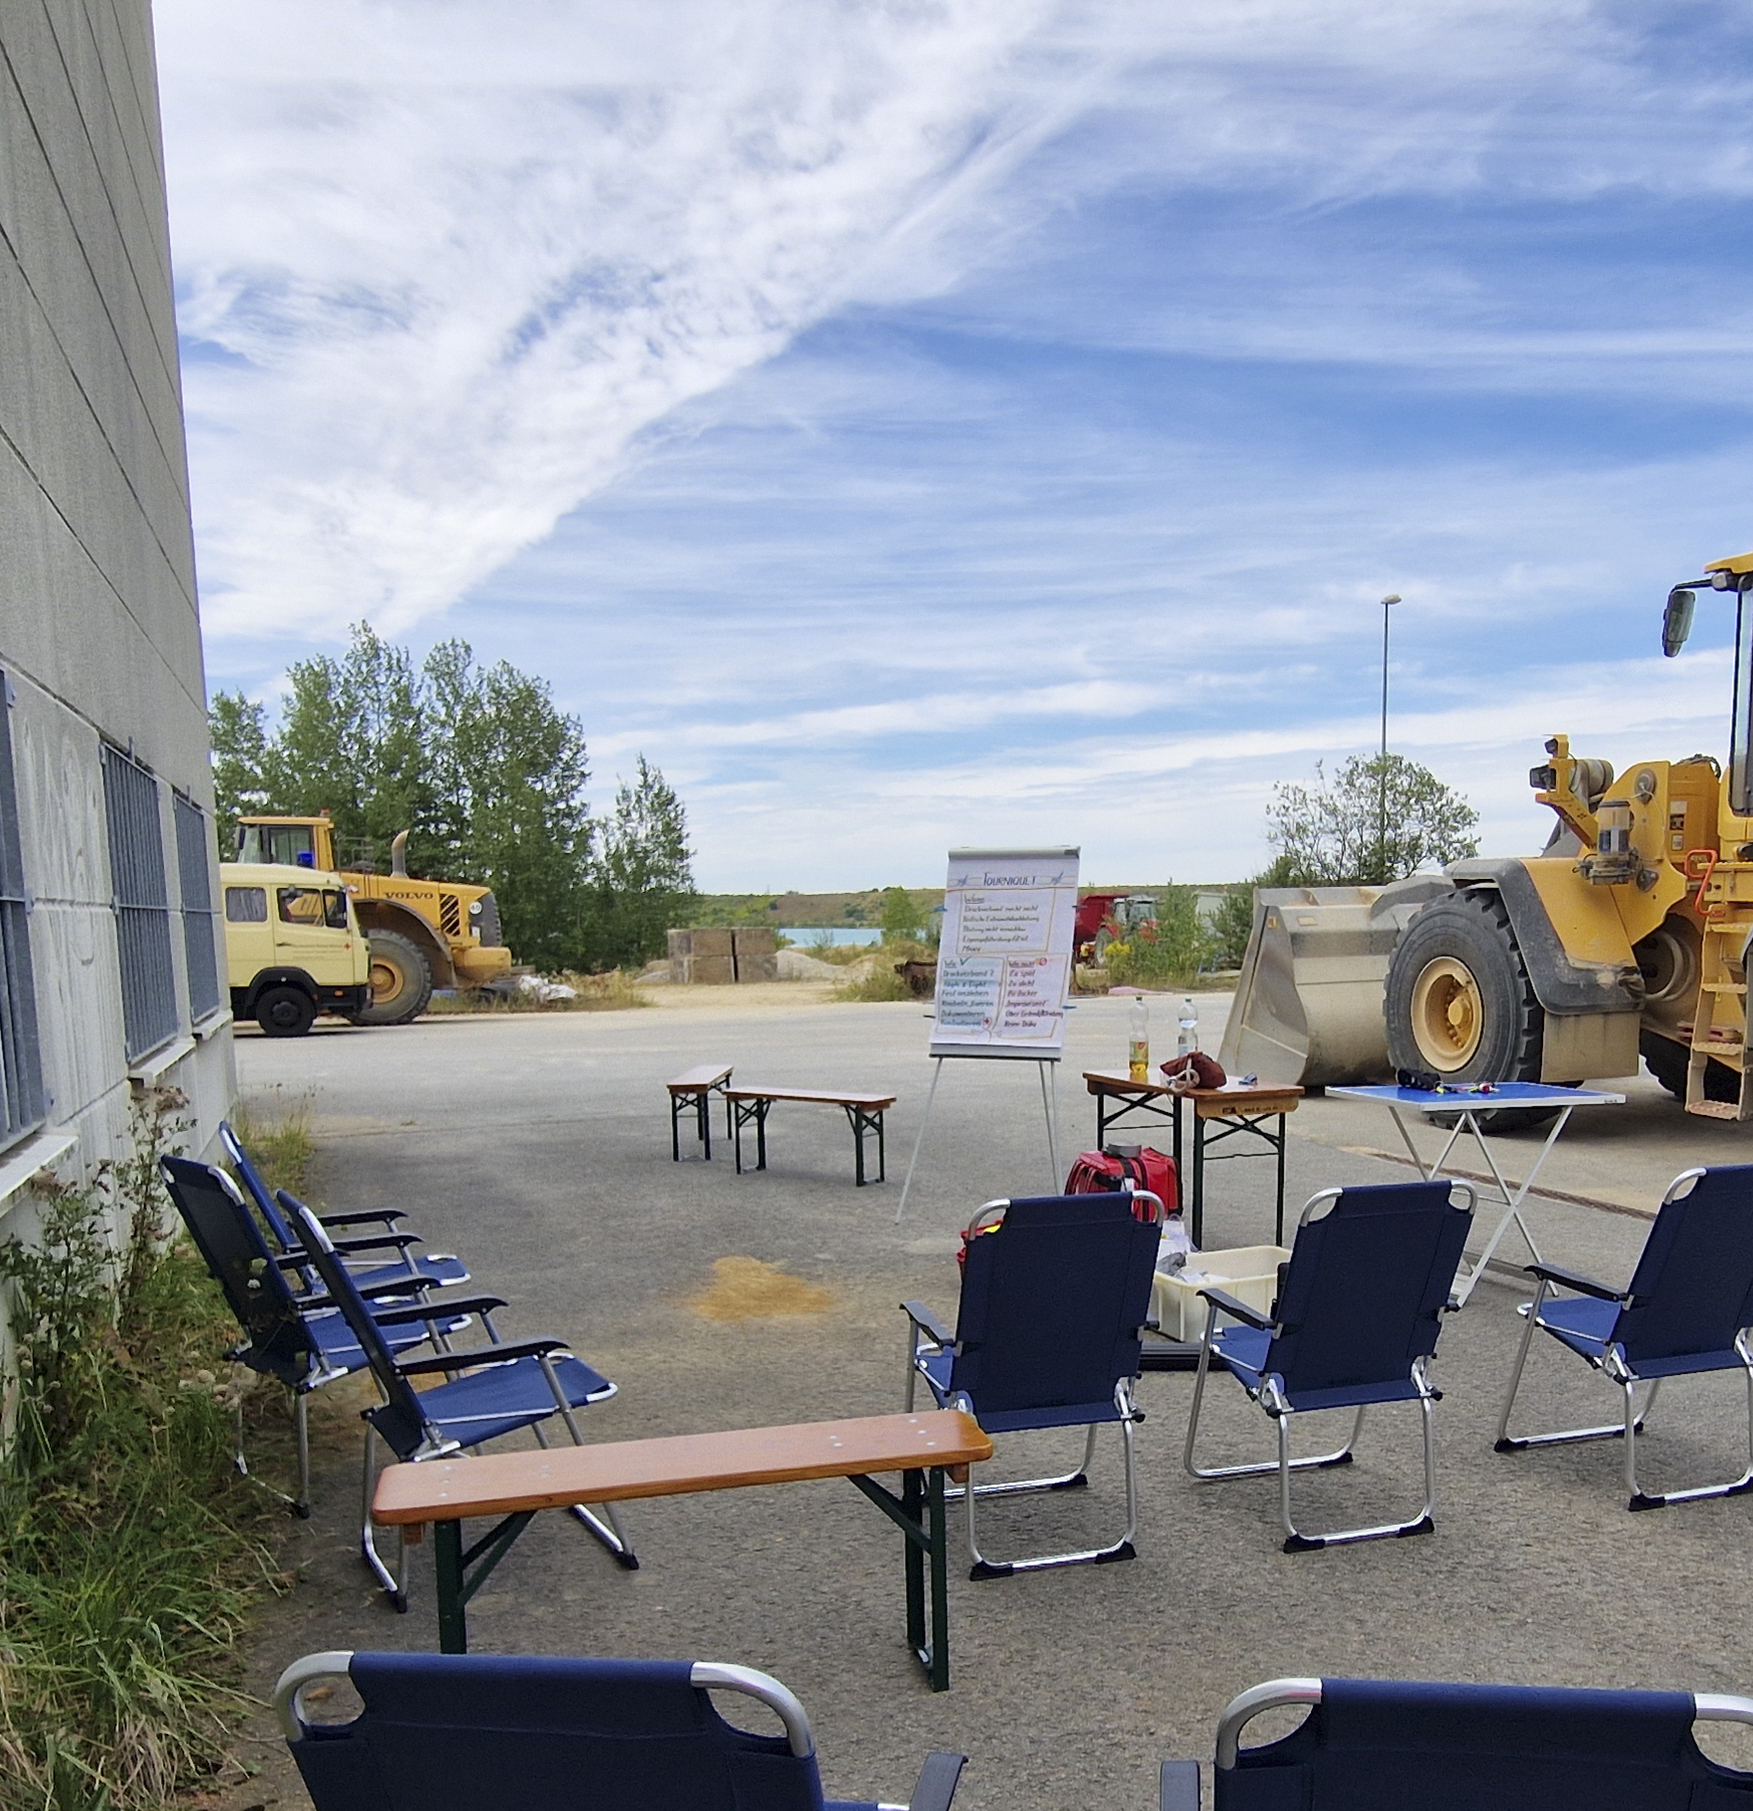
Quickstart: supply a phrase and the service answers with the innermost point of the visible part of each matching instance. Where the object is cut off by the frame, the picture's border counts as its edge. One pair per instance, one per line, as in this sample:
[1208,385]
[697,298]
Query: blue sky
[980,421]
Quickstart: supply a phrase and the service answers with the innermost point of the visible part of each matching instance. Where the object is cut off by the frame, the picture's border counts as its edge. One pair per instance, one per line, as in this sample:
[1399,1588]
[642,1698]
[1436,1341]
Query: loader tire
[1667,1061]
[1459,1000]
[401,982]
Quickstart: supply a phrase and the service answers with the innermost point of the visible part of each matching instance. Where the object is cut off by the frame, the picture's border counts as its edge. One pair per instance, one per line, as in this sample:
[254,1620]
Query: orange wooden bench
[694,1088]
[864,1113]
[516,1486]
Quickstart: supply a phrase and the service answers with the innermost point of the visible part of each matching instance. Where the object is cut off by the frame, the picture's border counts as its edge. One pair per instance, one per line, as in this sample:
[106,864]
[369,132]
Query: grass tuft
[130,1551]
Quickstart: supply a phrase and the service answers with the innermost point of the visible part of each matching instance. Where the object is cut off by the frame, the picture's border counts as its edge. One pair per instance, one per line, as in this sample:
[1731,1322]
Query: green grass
[131,1553]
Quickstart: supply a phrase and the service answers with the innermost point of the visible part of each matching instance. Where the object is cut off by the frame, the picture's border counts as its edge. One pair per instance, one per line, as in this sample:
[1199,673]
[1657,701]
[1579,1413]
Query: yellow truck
[1628,935]
[293,946]
[423,933]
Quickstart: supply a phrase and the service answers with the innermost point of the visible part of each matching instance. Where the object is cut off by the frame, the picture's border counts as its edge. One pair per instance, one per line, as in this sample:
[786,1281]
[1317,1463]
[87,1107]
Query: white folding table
[1470,1105]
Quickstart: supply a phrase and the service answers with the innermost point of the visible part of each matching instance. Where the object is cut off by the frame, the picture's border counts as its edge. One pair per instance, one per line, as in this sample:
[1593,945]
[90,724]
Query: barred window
[23,1104]
[140,903]
[200,944]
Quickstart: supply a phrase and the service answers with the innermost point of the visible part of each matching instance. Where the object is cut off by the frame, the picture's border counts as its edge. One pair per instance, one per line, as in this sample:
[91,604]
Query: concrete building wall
[99,632]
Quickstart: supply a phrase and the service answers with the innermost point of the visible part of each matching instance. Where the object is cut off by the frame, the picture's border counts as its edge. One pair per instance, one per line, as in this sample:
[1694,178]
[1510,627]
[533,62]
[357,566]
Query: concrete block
[716,940]
[711,971]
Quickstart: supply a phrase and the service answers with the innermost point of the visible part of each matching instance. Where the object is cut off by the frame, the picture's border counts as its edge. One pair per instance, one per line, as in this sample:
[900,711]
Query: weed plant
[130,1550]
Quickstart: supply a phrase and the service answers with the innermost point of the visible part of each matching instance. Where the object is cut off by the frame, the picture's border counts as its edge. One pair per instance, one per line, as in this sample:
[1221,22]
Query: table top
[1210,1102]
[1502,1094]
[678,1465]
[834,1097]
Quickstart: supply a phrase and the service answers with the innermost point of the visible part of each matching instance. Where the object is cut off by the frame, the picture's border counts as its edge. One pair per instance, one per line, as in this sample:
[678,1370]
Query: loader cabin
[1734,575]
[283,842]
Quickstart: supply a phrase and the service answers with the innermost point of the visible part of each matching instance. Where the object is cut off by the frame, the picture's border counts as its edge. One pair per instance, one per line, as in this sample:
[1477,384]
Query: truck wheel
[1459,1001]
[1667,1061]
[401,983]
[285,1012]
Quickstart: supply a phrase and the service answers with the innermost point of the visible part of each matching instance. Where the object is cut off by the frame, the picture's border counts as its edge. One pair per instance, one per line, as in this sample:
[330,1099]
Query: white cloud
[440,264]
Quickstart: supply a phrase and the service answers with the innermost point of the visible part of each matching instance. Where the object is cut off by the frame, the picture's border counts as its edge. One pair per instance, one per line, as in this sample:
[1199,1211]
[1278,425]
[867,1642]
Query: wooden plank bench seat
[516,1486]
[864,1113]
[694,1088]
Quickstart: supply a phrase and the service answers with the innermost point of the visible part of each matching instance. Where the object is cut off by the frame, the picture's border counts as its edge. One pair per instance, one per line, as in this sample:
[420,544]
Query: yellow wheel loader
[422,933]
[1626,936]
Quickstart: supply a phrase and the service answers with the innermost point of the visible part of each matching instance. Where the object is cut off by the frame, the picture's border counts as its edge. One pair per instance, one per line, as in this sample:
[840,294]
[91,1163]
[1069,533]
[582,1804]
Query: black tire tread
[414,960]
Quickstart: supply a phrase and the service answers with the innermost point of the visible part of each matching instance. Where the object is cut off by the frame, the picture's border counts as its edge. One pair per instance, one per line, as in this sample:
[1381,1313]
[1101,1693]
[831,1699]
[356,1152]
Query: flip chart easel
[1004,967]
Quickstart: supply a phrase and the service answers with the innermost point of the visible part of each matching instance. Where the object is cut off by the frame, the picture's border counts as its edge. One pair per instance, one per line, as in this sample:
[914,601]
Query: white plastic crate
[1249,1273]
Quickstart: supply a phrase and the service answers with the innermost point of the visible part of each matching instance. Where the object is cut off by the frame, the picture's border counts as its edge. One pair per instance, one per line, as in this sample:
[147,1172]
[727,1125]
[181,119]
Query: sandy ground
[538,1146]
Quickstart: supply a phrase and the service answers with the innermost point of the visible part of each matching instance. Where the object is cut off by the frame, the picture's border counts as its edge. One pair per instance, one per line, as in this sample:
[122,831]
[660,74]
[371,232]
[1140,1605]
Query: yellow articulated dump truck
[1627,935]
[292,946]
[422,933]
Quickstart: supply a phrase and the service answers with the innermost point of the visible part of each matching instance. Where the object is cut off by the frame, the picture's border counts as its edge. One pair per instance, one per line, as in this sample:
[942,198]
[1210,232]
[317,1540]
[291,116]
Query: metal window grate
[149,1005]
[23,1104]
[200,943]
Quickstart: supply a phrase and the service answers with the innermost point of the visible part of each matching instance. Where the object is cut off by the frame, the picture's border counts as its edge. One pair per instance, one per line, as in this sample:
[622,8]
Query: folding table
[1469,1105]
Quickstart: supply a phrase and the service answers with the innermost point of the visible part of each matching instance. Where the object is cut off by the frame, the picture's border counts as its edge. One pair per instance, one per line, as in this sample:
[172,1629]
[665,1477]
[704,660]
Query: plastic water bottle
[1138,1041]
[1188,1040]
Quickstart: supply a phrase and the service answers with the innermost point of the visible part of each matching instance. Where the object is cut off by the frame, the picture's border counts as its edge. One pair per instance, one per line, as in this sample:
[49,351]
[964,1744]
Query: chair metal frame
[929,1338]
[434,1443]
[1613,1365]
[407,1303]
[1271,1398]
[935,1790]
[1180,1779]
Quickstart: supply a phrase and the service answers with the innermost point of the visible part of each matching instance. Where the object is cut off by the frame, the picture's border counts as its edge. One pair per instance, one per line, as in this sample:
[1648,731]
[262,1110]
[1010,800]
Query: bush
[1166,953]
[130,1550]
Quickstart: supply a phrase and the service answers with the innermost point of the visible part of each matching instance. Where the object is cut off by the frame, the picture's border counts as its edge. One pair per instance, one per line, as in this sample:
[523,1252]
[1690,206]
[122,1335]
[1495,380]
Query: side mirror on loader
[1677,620]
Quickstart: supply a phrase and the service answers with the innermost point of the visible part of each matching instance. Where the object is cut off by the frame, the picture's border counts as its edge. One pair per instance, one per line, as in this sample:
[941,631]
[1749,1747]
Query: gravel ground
[537,1146]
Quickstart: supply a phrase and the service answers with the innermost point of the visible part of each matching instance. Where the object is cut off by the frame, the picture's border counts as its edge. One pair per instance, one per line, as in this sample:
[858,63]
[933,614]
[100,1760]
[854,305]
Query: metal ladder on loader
[1720,1023]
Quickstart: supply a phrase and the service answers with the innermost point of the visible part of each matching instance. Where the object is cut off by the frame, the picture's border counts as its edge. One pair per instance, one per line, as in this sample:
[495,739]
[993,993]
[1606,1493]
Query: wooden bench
[864,1113]
[516,1486]
[694,1088]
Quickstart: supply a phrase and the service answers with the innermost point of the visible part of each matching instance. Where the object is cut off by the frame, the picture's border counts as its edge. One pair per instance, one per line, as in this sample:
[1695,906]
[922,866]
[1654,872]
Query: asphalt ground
[538,1147]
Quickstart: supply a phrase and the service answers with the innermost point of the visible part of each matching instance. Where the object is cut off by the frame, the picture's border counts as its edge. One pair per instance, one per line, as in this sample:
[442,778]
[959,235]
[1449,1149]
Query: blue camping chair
[288,1337]
[434,1267]
[471,1732]
[1688,1310]
[1355,1324]
[1384,1745]
[1055,1295]
[491,1391]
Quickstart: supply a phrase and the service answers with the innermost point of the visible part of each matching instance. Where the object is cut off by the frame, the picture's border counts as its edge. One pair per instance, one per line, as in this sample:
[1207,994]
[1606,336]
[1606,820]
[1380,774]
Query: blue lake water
[818,934]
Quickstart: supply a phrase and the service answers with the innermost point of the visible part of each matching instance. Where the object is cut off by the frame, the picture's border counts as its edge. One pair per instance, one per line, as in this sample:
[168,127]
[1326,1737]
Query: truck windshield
[1741,736]
[290,845]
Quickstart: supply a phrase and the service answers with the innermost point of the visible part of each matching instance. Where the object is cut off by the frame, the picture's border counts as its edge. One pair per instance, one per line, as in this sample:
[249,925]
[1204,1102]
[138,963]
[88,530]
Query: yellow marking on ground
[748,1289]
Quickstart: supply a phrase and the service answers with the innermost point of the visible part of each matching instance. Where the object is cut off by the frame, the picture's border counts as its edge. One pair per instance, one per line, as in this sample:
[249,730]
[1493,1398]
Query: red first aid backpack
[1101,1172]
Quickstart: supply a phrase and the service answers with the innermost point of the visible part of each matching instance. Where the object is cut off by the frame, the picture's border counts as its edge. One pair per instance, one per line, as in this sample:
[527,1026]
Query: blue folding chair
[438,1267]
[471,1732]
[287,1337]
[491,1391]
[1688,1310]
[1055,1295]
[1383,1745]
[1355,1324]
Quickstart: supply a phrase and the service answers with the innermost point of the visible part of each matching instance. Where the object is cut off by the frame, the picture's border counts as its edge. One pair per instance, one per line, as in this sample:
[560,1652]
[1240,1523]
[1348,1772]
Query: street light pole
[1388,602]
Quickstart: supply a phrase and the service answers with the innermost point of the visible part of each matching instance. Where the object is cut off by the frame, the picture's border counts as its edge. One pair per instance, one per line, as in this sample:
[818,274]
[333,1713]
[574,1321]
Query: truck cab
[293,946]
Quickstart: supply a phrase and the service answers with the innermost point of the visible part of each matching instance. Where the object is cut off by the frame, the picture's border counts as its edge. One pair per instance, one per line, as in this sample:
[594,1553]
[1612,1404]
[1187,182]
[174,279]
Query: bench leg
[920,1515]
[677,1102]
[453,1618]
[703,1120]
[862,1122]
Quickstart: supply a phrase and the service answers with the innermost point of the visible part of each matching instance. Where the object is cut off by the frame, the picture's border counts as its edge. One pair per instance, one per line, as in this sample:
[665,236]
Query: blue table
[1470,1107]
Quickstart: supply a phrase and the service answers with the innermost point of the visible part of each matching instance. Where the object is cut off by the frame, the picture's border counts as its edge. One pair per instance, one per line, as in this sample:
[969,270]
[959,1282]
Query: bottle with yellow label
[1138,1051]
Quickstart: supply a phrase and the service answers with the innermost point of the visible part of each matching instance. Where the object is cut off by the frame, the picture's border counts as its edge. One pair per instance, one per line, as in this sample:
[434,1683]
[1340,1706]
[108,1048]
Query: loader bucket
[1308,1006]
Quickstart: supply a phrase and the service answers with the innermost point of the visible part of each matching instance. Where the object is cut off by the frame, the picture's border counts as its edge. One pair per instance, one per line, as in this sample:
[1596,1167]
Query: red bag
[1101,1172]
[1194,1070]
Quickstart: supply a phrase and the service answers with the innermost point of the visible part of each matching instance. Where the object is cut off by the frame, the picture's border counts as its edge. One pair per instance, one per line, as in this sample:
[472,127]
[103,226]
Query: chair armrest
[937,1781]
[395,1242]
[1571,1279]
[384,1216]
[1251,1317]
[928,1323]
[481,1355]
[438,1310]
[411,1284]
[1180,1786]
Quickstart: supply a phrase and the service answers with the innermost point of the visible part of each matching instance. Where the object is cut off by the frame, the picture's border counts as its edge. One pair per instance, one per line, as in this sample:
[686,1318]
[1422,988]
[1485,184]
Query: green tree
[238,732]
[1166,952]
[643,880]
[1379,820]
[902,917]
